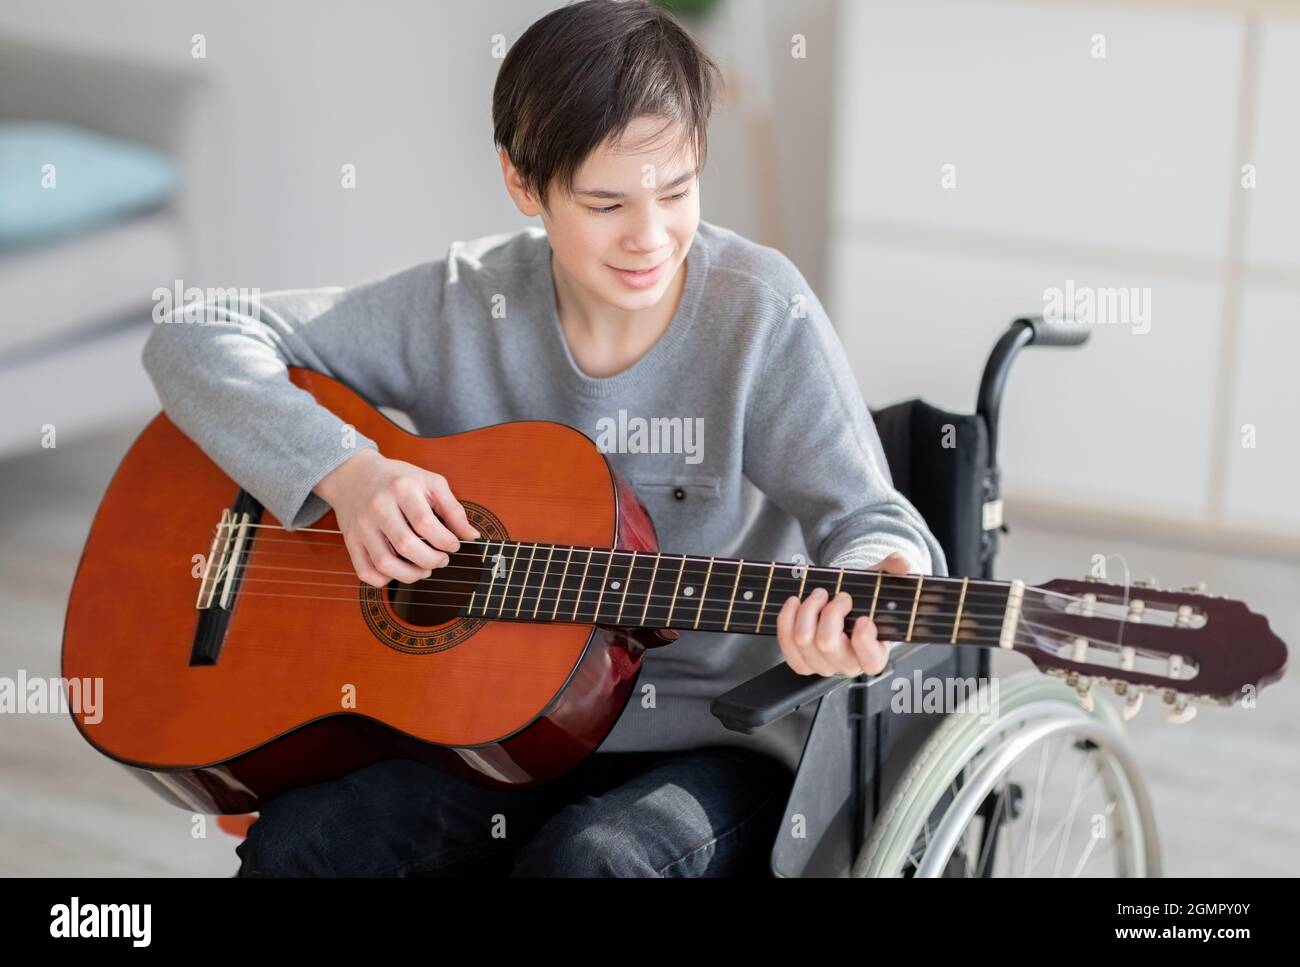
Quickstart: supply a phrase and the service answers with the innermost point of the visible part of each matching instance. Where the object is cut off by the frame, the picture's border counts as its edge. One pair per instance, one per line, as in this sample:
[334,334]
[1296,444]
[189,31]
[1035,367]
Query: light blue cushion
[97,180]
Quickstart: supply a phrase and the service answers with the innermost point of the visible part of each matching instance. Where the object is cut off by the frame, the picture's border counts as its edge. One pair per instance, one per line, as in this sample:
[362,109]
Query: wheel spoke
[1038,799]
[1075,800]
[1056,832]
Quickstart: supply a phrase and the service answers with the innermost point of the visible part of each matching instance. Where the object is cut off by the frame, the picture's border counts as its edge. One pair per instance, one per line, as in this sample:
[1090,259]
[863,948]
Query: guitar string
[905,596]
[1028,617]
[888,592]
[688,606]
[441,577]
[1027,638]
[996,591]
[990,640]
[620,551]
[687,602]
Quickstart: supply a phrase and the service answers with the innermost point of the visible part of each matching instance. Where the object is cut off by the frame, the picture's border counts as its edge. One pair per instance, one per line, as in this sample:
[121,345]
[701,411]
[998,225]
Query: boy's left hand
[811,632]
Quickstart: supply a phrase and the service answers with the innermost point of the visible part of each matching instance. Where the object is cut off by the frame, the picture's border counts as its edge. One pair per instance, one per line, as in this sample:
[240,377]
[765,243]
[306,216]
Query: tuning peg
[1132,705]
[1132,695]
[1085,604]
[1079,650]
[1149,582]
[1200,587]
[1182,712]
[1084,694]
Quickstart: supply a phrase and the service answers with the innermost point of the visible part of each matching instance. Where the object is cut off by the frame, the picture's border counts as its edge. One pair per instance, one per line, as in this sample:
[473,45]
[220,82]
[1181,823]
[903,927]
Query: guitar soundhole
[437,599]
[422,617]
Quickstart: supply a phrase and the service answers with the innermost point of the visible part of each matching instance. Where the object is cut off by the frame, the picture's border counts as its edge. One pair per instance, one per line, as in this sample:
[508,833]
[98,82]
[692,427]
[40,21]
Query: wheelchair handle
[1054,333]
[1026,331]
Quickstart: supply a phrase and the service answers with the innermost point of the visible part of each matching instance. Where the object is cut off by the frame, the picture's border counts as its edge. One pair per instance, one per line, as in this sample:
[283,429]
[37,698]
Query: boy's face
[650,226]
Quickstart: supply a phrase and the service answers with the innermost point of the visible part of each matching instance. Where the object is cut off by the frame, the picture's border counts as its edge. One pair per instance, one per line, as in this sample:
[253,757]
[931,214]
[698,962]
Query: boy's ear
[523,198]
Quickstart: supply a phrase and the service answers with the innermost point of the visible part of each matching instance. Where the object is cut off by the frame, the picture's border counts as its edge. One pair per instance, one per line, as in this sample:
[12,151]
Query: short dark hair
[581,74]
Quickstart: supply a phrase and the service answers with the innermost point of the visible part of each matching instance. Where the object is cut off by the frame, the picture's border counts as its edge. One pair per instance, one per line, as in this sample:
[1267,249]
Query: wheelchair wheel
[1038,787]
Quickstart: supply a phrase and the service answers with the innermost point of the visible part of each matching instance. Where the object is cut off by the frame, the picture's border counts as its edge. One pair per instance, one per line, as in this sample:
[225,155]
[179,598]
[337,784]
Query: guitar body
[307,688]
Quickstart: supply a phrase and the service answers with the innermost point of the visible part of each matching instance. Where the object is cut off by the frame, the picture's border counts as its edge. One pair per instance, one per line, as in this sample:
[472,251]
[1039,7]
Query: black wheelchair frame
[857,747]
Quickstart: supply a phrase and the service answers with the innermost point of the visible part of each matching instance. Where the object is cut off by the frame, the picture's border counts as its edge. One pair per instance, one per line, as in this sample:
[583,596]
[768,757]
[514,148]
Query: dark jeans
[705,812]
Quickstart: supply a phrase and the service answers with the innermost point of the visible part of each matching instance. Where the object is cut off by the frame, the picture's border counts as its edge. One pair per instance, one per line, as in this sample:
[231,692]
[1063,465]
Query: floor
[1226,786]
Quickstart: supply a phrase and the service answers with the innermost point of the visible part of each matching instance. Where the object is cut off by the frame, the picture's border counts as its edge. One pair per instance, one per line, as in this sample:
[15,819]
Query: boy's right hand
[385,505]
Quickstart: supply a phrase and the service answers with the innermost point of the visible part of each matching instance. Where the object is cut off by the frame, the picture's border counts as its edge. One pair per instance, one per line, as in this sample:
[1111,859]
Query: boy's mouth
[642,279]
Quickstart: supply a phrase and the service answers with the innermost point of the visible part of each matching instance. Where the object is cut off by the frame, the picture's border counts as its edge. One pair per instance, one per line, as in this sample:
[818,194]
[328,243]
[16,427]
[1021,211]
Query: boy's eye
[606,211]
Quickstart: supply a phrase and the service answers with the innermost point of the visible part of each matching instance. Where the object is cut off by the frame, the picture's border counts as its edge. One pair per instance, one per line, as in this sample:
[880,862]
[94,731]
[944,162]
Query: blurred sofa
[75,311]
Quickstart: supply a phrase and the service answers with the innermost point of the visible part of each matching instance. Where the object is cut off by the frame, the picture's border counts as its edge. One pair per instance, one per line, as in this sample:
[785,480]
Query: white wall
[1117,171]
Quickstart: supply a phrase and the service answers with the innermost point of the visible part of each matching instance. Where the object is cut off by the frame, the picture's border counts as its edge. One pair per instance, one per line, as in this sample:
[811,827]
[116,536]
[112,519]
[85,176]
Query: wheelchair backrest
[939,461]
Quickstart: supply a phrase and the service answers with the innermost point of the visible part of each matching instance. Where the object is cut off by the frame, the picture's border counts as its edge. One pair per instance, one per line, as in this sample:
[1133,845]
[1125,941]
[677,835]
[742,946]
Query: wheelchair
[978,789]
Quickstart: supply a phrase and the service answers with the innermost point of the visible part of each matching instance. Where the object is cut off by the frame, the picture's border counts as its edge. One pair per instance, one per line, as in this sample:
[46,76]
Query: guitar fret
[739,567]
[524,587]
[767,588]
[911,622]
[676,584]
[627,583]
[470,607]
[542,587]
[505,591]
[582,584]
[876,596]
[650,590]
[492,580]
[961,602]
[603,581]
[704,593]
[560,592]
[838,581]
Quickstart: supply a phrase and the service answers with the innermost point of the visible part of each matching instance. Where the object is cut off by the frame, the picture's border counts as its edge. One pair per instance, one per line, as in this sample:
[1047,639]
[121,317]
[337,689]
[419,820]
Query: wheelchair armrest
[769,696]
[775,693]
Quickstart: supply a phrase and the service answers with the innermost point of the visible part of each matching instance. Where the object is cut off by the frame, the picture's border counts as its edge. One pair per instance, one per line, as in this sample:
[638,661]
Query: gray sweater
[775,452]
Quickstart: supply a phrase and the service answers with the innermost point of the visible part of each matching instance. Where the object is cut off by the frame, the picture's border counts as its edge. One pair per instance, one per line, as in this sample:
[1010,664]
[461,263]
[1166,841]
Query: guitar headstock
[1187,646]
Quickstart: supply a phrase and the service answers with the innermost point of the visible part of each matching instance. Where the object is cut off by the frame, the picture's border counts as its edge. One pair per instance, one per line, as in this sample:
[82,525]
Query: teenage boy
[623,302]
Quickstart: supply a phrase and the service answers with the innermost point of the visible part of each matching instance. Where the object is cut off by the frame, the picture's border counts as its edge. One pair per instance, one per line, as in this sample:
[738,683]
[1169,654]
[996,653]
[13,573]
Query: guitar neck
[592,585]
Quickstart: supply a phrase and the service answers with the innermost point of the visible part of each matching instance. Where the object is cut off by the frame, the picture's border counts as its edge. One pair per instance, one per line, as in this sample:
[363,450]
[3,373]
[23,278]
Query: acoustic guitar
[239,659]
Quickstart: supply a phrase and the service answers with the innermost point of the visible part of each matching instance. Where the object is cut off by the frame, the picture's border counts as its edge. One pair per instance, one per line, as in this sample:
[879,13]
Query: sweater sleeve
[221,374]
[812,447]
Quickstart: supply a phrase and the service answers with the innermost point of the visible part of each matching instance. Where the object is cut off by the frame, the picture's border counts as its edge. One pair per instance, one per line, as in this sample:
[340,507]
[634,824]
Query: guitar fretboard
[589,585]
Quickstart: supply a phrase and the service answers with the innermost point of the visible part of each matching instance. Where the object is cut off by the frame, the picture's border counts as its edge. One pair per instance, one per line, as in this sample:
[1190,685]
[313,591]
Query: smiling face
[635,206]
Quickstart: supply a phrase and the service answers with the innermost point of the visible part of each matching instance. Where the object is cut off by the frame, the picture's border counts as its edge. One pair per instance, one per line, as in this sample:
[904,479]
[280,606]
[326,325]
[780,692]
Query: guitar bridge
[222,575]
